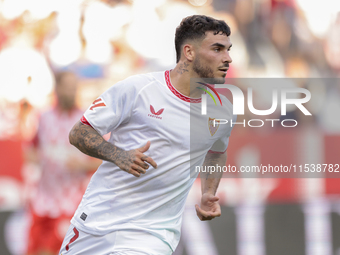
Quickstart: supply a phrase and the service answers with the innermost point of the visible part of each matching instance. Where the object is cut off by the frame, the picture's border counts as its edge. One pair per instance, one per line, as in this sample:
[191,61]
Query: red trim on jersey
[84,121]
[177,93]
[97,103]
[76,235]
[217,152]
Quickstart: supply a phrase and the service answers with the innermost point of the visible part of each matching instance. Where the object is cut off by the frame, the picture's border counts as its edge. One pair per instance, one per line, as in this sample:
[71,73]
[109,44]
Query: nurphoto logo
[239,104]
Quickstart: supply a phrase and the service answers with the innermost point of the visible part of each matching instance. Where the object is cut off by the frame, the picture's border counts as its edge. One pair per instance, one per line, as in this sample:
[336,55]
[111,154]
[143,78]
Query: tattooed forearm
[90,142]
[182,68]
[210,181]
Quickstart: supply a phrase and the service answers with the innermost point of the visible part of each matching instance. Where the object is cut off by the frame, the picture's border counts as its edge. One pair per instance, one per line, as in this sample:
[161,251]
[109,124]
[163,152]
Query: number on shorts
[76,235]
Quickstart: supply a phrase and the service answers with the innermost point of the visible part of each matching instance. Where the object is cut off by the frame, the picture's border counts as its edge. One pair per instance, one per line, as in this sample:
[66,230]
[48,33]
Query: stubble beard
[206,72]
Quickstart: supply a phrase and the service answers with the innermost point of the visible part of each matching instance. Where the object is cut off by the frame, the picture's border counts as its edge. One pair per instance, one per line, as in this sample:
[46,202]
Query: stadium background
[106,41]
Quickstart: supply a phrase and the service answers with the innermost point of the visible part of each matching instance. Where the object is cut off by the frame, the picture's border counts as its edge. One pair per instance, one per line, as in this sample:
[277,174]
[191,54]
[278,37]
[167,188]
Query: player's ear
[189,52]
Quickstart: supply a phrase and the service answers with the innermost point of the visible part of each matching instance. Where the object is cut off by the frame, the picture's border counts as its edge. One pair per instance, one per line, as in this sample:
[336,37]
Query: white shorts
[122,242]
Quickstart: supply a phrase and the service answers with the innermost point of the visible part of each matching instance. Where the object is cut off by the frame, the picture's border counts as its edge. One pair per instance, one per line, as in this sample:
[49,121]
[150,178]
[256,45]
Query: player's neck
[180,78]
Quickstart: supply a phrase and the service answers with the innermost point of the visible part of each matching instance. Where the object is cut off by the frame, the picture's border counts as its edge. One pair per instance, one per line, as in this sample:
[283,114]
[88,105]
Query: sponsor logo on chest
[155,114]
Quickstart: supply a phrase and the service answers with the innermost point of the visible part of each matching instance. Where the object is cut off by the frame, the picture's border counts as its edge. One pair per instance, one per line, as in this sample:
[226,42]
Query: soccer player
[135,200]
[63,175]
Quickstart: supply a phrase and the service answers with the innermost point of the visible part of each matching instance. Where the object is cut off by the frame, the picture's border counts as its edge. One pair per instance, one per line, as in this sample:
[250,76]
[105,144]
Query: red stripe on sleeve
[84,121]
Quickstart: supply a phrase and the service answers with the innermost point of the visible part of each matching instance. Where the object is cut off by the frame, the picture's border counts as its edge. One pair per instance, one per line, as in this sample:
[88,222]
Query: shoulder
[139,81]
[131,87]
[226,109]
[225,102]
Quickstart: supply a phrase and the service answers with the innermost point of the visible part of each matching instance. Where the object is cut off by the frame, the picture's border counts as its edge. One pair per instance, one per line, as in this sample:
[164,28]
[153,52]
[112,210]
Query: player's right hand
[134,161]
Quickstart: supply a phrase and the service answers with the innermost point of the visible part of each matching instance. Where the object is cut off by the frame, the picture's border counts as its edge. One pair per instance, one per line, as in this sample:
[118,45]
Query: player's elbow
[72,135]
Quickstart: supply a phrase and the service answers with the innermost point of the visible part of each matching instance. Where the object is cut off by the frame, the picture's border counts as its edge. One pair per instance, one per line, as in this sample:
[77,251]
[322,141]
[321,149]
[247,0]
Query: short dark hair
[194,27]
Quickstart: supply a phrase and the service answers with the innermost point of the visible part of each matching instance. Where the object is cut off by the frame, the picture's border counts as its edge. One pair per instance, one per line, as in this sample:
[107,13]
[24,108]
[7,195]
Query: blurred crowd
[104,41]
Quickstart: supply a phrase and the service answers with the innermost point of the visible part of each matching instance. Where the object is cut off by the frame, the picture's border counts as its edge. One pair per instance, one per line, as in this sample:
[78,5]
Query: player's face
[66,91]
[213,59]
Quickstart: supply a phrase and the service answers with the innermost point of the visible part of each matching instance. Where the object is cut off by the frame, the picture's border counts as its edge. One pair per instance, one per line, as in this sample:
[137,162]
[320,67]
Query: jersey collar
[177,93]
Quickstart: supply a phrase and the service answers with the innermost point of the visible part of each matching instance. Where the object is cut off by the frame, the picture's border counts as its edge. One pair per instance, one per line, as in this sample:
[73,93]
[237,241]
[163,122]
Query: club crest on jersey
[155,114]
[213,128]
[97,103]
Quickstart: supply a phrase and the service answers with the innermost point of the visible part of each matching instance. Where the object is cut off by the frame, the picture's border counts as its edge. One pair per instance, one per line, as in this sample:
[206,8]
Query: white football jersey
[139,109]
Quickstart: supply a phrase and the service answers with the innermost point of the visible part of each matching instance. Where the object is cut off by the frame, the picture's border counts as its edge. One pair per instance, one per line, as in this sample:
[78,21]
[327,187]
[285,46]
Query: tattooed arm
[90,142]
[210,207]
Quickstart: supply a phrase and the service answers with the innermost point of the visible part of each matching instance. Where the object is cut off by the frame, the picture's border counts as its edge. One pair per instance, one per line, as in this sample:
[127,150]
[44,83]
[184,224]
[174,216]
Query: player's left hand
[209,209]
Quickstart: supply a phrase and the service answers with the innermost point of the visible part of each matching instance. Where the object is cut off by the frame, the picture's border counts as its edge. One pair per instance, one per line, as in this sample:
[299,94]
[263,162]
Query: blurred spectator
[63,176]
[332,43]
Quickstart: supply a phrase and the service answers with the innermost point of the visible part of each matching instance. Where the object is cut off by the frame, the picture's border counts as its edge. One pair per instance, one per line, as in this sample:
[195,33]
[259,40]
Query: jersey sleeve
[112,108]
[220,146]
